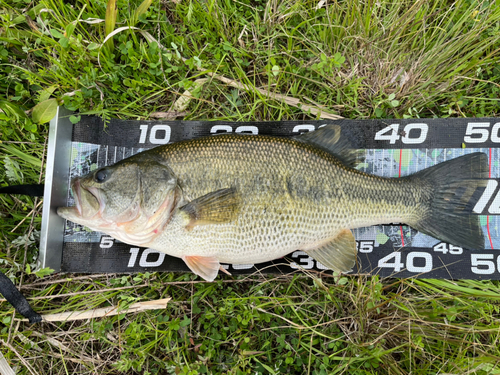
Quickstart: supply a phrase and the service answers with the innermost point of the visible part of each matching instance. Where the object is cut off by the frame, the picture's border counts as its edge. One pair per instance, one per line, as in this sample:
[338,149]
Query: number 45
[444,248]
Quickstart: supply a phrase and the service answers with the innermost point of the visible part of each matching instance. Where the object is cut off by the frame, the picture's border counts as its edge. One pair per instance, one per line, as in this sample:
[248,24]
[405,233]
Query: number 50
[483,261]
[481,132]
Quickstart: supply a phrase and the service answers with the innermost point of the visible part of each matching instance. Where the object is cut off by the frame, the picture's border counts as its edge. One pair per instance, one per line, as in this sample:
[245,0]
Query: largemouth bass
[243,199]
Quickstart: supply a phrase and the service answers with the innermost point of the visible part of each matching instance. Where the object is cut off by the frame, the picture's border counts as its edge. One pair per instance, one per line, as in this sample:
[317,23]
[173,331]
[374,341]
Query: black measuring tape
[396,251]
[7,287]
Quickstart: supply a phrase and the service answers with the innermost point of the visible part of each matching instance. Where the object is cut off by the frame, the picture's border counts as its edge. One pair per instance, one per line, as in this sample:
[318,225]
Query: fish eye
[101,175]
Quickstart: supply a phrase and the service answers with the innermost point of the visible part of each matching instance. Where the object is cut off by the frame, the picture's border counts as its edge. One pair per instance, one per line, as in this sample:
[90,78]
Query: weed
[128,59]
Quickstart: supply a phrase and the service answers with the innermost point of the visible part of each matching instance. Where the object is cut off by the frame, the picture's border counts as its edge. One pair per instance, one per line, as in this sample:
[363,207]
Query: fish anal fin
[217,207]
[205,267]
[339,254]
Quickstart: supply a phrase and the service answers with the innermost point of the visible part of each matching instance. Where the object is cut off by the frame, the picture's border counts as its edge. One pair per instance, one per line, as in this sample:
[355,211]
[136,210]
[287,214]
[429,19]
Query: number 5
[481,260]
[106,242]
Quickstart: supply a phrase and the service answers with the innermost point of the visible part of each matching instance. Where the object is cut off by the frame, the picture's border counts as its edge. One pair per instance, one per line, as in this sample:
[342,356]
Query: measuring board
[393,148]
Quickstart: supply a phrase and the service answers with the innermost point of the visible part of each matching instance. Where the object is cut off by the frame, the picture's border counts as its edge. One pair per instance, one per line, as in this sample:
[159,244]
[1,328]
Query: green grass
[388,59]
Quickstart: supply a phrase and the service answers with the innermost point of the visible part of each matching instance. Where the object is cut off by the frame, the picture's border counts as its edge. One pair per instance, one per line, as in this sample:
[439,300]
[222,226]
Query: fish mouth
[101,203]
[76,191]
[88,202]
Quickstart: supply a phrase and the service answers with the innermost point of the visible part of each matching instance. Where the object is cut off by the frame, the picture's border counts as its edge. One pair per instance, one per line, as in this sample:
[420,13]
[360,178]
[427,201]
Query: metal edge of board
[56,189]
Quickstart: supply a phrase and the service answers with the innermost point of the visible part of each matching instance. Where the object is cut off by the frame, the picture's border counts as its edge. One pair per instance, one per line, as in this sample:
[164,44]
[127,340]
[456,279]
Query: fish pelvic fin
[450,187]
[205,267]
[330,140]
[217,207]
[339,254]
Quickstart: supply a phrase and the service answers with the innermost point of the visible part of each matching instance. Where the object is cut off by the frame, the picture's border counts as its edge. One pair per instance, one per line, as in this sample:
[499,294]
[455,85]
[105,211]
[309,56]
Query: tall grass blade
[110,22]
[141,9]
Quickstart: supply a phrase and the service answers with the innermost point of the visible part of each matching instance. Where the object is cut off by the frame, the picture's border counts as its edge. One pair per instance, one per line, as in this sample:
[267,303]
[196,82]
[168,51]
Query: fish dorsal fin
[217,207]
[205,267]
[339,254]
[329,139]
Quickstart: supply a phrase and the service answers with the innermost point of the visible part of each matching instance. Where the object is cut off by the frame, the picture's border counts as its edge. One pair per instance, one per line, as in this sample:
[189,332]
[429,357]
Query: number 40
[391,134]
[398,265]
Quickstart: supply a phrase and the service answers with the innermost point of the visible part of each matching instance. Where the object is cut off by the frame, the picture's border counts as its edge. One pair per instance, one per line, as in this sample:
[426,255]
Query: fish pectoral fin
[205,267]
[339,254]
[218,207]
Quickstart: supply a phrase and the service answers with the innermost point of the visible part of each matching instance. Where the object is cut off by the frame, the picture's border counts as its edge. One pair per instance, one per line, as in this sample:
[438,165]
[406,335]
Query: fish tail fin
[450,186]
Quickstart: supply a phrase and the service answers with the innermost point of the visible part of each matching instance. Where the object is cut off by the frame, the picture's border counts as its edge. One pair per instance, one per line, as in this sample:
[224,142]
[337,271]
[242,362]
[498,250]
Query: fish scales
[247,199]
[294,195]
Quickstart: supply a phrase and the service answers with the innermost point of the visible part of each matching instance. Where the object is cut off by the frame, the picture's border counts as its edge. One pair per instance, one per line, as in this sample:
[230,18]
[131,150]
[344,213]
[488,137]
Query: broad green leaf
[69,29]
[56,34]
[64,42]
[44,272]
[30,126]
[74,119]
[185,322]
[44,111]
[93,45]
[39,273]
[46,93]
[19,19]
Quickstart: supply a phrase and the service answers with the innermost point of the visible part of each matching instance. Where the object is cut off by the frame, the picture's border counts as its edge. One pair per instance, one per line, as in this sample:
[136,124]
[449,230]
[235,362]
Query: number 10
[155,134]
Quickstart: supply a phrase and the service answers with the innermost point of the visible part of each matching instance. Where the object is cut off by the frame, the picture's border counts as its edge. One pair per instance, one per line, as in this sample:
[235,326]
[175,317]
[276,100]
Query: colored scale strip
[490,162]
[399,175]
